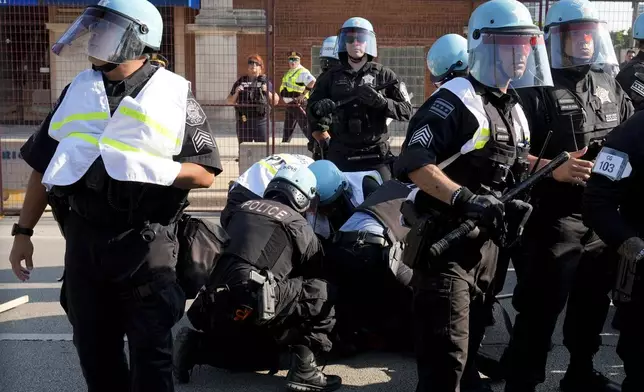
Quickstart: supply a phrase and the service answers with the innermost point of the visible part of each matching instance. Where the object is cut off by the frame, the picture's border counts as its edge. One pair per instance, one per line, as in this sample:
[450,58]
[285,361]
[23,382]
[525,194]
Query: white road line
[40,337]
[29,286]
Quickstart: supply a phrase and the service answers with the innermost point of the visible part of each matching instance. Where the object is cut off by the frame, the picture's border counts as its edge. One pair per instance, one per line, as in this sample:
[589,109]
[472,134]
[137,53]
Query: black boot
[304,376]
[185,353]
[582,377]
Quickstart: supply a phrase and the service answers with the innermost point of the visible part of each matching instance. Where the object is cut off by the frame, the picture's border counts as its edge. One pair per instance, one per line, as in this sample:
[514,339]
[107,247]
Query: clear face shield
[516,59]
[103,35]
[357,42]
[580,43]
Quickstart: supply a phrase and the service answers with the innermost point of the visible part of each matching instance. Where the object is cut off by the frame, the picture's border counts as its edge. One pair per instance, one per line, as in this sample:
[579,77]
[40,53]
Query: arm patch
[612,164]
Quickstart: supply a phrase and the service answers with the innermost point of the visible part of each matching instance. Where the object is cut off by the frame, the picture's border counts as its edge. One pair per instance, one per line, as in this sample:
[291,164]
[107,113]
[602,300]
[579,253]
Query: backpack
[201,243]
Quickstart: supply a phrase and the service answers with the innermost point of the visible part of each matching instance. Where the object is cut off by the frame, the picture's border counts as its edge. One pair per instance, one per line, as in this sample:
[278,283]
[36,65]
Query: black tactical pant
[448,307]
[304,314]
[567,261]
[118,285]
[371,294]
[347,159]
[295,115]
[630,346]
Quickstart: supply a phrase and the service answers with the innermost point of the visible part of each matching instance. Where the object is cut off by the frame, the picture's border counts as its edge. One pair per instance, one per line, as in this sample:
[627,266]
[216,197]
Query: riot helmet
[447,58]
[328,57]
[505,48]
[356,39]
[293,184]
[334,192]
[576,36]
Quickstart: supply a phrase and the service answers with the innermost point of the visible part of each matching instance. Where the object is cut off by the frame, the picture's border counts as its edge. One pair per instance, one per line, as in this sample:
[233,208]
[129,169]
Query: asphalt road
[36,352]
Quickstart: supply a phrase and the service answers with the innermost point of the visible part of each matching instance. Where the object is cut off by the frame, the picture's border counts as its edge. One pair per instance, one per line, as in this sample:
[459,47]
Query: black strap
[361,237]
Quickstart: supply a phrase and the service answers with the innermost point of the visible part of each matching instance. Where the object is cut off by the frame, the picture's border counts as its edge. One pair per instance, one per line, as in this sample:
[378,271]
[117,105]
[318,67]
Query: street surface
[36,352]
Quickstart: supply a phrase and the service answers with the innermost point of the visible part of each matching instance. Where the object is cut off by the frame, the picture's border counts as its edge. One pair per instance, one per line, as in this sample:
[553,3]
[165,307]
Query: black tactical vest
[384,206]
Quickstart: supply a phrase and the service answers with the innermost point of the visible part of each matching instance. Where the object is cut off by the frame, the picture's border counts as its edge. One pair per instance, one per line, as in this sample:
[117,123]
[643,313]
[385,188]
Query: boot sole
[299,387]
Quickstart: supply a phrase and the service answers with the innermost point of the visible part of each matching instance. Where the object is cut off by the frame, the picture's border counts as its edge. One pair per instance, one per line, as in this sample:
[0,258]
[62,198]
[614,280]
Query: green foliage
[621,39]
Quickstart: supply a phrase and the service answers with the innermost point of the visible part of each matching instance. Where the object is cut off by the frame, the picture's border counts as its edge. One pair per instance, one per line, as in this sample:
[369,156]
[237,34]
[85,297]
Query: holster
[60,209]
[355,126]
[625,280]
[267,300]
[420,236]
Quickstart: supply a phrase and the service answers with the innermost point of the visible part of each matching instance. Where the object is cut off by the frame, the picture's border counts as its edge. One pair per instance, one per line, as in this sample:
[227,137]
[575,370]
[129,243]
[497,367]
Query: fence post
[1,182]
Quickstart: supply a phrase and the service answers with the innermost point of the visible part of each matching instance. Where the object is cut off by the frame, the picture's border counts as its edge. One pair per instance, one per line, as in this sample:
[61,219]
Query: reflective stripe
[125,147]
[480,138]
[268,167]
[147,120]
[84,136]
[80,117]
[289,82]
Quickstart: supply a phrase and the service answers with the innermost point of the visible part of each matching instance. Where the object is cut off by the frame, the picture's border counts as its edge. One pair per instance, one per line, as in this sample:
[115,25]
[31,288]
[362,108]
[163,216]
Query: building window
[315,60]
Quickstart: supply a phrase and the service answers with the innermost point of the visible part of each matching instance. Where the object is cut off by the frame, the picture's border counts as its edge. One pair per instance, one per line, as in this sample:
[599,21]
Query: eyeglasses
[361,38]
[293,59]
[254,63]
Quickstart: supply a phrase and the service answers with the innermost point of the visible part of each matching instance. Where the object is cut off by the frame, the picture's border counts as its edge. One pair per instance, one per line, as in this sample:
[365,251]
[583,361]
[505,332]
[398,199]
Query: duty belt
[359,237]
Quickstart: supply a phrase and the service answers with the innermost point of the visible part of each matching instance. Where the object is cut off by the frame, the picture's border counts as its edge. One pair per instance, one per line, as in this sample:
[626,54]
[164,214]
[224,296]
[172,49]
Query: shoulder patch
[201,139]
[194,113]
[422,136]
[402,87]
[638,88]
[612,164]
[441,108]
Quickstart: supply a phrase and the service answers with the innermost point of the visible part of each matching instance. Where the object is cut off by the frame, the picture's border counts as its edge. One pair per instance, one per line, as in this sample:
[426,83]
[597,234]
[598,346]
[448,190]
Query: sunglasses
[254,63]
[361,38]
[293,59]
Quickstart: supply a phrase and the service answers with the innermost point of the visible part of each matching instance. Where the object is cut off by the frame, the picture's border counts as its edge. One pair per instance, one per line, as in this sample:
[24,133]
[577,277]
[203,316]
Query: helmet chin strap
[355,60]
[105,68]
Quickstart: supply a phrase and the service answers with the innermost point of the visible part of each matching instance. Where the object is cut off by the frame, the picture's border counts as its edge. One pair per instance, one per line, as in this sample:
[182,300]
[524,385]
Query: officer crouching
[257,301]
[123,146]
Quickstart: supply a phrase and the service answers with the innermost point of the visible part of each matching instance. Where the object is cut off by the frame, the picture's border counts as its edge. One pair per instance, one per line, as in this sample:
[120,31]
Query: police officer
[366,262]
[447,59]
[255,295]
[339,194]
[319,146]
[474,127]
[584,105]
[253,182]
[359,138]
[628,76]
[123,146]
[295,88]
[612,207]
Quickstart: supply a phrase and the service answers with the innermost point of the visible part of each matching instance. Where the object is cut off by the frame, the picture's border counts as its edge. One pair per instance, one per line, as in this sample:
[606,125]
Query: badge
[422,136]
[611,117]
[194,113]
[368,79]
[602,94]
[612,164]
[638,88]
[201,139]
[441,108]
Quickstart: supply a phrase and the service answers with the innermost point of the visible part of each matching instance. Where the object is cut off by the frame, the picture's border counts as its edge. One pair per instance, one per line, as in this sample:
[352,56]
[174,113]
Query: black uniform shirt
[612,201]
[340,82]
[199,144]
[252,94]
[633,86]
[441,126]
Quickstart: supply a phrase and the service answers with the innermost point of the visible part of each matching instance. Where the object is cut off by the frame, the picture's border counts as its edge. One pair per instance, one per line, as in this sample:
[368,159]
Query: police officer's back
[631,76]
[475,123]
[118,155]
[359,138]
[581,109]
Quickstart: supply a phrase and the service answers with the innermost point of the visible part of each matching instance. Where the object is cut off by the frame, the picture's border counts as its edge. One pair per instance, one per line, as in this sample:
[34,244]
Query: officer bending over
[256,301]
[359,138]
[581,109]
[365,260]
[631,77]
[612,207]
[117,157]
[475,128]
[253,182]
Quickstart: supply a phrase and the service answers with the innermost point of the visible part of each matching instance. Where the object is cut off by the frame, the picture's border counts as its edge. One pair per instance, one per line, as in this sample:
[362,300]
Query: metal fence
[209,42]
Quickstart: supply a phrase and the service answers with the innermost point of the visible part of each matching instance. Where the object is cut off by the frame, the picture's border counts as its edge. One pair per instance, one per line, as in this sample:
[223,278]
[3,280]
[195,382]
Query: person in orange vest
[295,88]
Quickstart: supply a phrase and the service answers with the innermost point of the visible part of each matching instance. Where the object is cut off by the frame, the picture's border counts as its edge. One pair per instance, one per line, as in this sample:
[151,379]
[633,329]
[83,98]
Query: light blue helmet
[505,47]
[638,28]
[328,47]
[360,30]
[577,21]
[331,181]
[114,31]
[447,56]
[297,183]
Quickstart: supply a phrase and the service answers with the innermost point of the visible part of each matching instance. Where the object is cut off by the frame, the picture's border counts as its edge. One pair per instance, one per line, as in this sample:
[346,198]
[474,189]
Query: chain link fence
[209,43]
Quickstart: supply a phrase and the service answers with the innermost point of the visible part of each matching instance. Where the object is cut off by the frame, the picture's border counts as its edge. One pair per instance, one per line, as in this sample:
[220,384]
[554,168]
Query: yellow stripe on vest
[152,123]
[80,117]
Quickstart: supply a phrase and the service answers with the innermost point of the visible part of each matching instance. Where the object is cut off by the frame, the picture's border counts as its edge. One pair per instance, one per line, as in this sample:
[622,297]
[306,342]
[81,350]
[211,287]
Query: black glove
[370,97]
[486,210]
[517,213]
[323,107]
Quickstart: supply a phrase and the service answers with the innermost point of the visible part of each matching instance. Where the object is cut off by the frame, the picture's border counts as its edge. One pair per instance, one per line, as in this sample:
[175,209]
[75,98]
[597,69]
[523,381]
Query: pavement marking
[40,337]
[29,286]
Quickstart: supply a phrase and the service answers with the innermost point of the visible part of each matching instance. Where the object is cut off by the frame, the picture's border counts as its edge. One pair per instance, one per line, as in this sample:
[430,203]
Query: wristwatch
[21,230]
